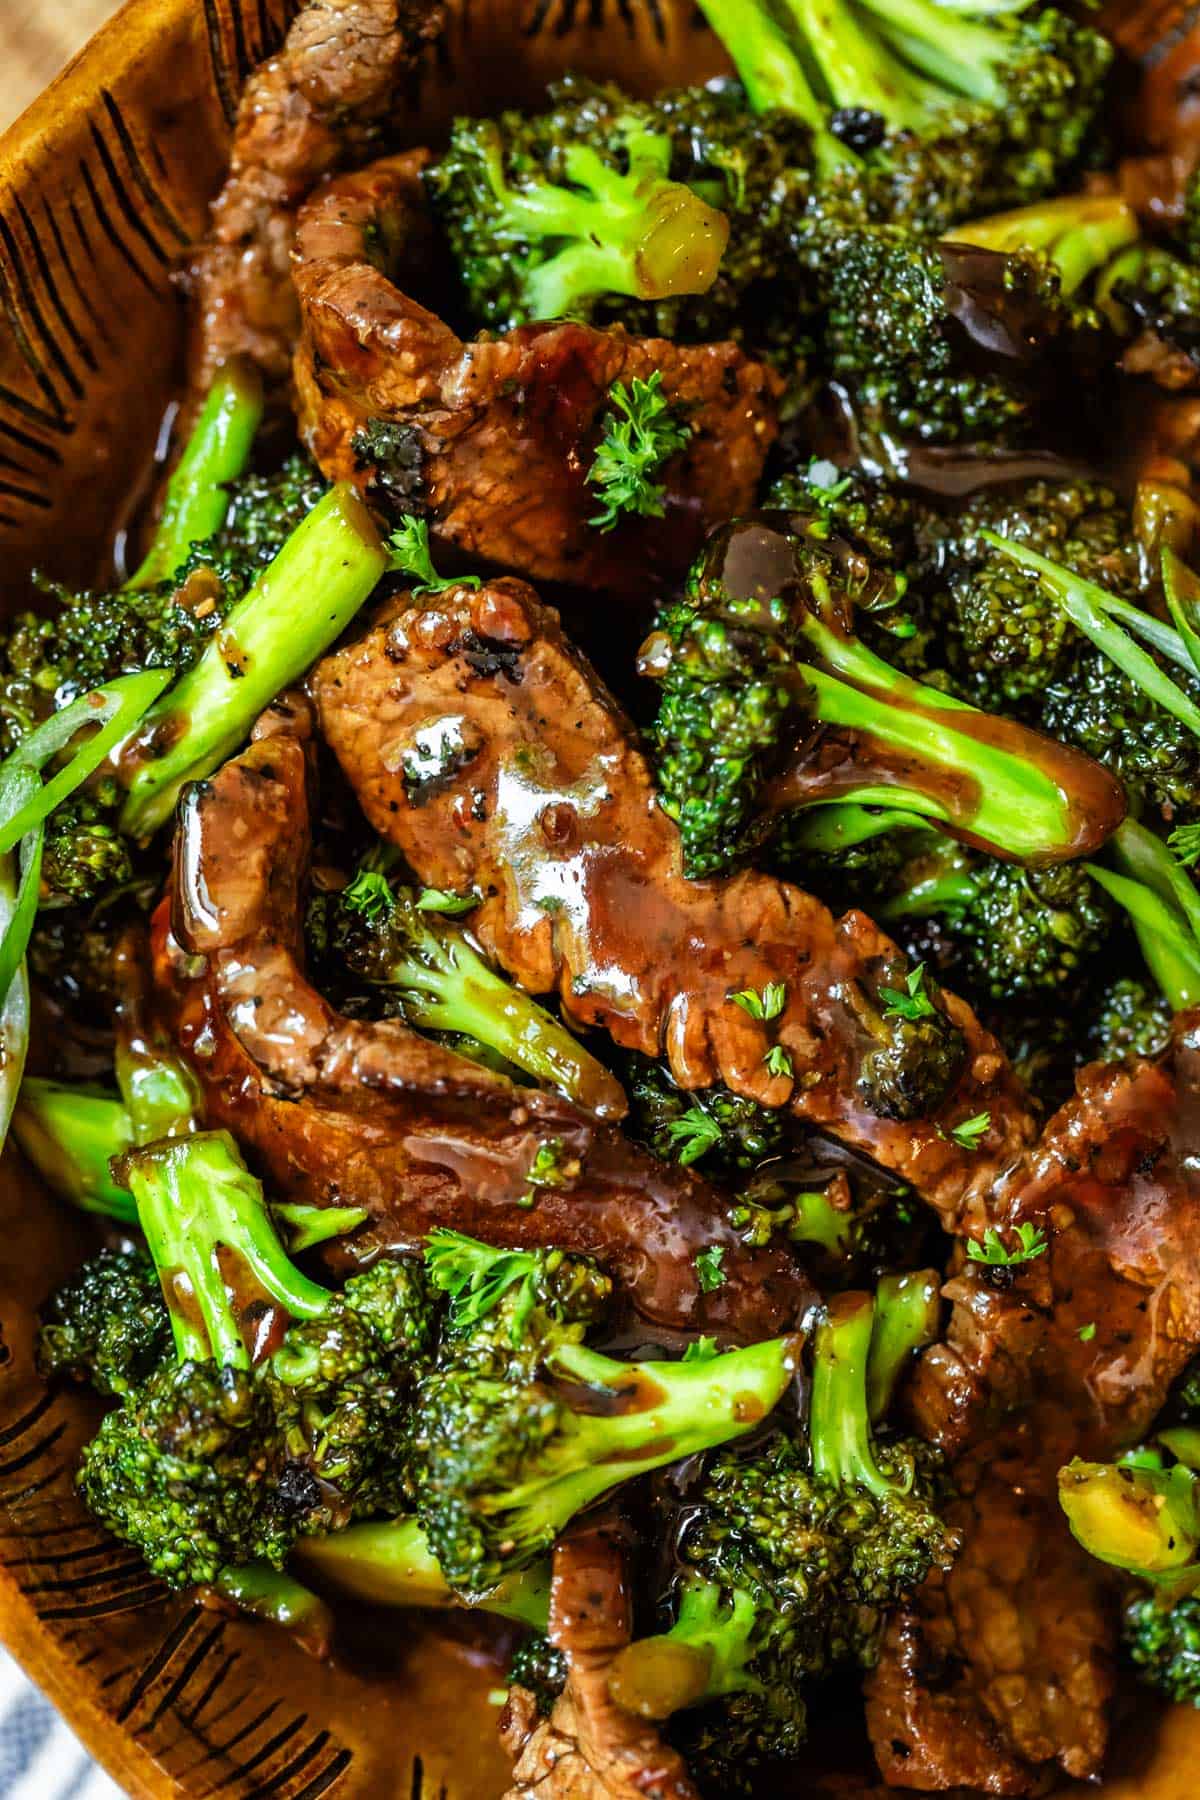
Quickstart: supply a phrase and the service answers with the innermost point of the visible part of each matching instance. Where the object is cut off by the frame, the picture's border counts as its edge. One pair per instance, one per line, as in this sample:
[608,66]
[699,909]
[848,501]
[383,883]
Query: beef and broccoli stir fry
[606,921]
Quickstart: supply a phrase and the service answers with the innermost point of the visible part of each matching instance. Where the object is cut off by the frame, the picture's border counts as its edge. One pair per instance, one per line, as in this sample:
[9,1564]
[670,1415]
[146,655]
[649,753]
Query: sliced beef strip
[319,105]
[481,744]
[337,1110]
[504,429]
[588,1749]
[1017,1639]
[1114,1187]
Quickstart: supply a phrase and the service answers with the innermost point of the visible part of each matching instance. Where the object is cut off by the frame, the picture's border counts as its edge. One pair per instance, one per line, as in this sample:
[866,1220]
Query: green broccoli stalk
[908,1312]
[392,938]
[196,500]
[389,1563]
[1163,906]
[503,1466]
[791,1562]
[746,673]
[70,1134]
[1077,233]
[278,1598]
[295,609]
[1009,929]
[1026,89]
[568,222]
[1142,1515]
[199,1205]
[1138,1515]
[521,1426]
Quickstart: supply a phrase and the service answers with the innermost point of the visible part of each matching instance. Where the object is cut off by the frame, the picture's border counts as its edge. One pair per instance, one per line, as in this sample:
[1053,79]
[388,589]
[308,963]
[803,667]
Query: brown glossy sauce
[757,558]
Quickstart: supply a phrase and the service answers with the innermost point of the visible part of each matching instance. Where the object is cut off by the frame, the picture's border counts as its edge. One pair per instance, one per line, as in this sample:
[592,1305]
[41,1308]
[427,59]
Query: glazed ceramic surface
[104,184]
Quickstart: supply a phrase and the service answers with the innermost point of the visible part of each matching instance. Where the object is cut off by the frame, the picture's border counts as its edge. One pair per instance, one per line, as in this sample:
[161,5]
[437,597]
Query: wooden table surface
[36,38]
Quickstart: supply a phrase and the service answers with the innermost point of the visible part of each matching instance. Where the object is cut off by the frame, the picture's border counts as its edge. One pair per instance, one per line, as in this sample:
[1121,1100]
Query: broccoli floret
[1004,636]
[1142,1515]
[914,1053]
[792,1555]
[1131,1020]
[957,114]
[107,1325]
[545,214]
[218,1456]
[1013,930]
[1149,290]
[84,854]
[509,1307]
[1105,712]
[263,512]
[400,940]
[751,169]
[185,1469]
[512,1438]
[1163,1644]
[760,653]
[395,456]
[540,1669]
[721,1132]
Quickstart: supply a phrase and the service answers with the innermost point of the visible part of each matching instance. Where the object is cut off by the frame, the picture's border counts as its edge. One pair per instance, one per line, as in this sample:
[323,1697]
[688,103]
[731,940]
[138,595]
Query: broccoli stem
[447,986]
[838,825]
[637,233]
[1134,1515]
[390,1564]
[907,1317]
[839,1420]
[216,452]
[70,1134]
[196,1199]
[1016,806]
[645,1415]
[772,74]
[703,1656]
[950,885]
[959,53]
[294,611]
[1079,233]
[277,1597]
[855,67]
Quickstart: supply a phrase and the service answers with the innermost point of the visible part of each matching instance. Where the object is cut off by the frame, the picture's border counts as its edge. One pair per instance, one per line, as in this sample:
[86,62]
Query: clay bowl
[103,185]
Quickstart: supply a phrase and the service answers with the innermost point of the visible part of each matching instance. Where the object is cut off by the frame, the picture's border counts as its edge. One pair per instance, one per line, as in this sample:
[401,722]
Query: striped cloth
[40,1759]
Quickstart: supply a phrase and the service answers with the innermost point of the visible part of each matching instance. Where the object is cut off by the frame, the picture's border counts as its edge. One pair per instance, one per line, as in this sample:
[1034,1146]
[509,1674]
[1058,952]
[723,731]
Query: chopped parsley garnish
[971,1132]
[693,1135]
[762,1003]
[369,895]
[911,1002]
[996,1254]
[1185,842]
[709,1272]
[637,436]
[411,555]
